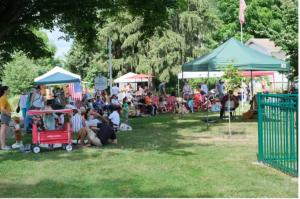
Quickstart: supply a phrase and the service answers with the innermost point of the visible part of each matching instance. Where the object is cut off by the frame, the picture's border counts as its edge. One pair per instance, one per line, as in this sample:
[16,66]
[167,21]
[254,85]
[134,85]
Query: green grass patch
[164,156]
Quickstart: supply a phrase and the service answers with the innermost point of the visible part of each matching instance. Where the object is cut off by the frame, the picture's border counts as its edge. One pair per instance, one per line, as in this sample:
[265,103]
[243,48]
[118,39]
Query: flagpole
[241,32]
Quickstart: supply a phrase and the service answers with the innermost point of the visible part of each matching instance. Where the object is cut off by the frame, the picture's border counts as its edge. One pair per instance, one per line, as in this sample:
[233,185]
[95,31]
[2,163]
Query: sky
[62,46]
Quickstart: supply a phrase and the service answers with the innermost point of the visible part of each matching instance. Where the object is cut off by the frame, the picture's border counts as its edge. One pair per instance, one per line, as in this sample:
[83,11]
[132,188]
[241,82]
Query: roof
[267,46]
[57,75]
[239,55]
[131,78]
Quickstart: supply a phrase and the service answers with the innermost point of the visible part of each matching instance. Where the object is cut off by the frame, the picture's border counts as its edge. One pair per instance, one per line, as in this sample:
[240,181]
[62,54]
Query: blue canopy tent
[57,75]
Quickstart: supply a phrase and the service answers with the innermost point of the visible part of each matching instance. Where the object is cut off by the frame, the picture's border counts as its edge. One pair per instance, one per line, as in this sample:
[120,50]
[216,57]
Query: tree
[232,77]
[19,74]
[78,19]
[273,19]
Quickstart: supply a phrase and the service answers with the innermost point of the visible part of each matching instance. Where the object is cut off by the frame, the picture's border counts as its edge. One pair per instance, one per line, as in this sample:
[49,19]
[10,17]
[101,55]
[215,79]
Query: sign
[283,65]
[100,83]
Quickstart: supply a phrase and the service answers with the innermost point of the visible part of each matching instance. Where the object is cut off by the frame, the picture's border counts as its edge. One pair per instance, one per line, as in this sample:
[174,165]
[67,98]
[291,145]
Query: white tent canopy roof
[126,78]
[191,75]
[57,75]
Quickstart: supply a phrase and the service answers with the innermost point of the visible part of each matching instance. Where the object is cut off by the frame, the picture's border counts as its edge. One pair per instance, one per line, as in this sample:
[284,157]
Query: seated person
[92,121]
[252,112]
[49,118]
[77,122]
[99,135]
[151,109]
[190,103]
[228,100]
[114,118]
[163,105]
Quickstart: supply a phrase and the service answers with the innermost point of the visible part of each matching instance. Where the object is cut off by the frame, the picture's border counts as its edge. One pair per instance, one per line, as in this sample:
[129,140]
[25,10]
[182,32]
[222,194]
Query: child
[162,105]
[190,103]
[126,109]
[114,118]
[49,118]
[18,134]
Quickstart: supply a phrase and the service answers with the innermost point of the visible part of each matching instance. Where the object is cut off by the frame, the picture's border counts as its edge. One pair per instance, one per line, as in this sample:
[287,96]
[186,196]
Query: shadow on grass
[95,189]
[163,134]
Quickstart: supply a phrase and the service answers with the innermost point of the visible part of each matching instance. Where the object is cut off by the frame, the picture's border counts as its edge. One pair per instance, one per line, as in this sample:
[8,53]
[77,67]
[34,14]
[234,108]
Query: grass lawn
[164,156]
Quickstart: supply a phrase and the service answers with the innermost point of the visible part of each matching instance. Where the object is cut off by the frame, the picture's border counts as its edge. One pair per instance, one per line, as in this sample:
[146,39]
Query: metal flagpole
[241,32]
[110,64]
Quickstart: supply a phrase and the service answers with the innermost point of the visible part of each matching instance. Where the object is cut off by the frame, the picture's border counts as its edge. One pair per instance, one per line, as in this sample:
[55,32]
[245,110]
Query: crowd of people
[97,116]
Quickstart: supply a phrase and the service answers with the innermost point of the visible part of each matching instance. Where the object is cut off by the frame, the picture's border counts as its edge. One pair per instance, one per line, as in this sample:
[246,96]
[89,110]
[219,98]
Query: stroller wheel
[36,149]
[69,147]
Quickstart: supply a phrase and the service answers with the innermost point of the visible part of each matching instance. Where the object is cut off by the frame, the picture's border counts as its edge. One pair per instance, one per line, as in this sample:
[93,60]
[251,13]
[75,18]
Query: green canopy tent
[239,55]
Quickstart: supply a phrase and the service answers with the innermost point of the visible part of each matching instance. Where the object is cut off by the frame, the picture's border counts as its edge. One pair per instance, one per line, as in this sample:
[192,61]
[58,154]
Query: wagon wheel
[69,147]
[35,149]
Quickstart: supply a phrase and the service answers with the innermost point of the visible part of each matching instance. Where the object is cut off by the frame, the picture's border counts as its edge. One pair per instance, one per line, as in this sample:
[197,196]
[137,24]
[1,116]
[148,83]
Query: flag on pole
[75,91]
[242,11]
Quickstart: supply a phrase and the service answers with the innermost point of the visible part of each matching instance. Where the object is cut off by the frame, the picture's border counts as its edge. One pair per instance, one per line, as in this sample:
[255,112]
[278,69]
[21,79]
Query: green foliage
[79,19]
[232,78]
[188,35]
[273,19]
[19,74]
[211,82]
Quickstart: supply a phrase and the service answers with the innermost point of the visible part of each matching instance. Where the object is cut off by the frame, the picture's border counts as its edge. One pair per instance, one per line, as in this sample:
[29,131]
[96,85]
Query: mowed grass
[164,156]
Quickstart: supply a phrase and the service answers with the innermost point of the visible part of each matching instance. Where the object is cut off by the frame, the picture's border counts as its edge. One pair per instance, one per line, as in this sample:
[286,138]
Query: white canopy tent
[126,78]
[191,75]
[57,75]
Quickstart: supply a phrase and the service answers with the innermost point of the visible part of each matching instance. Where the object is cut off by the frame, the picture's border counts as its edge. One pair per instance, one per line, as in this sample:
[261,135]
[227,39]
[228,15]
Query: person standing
[23,104]
[37,99]
[187,90]
[220,88]
[162,89]
[6,110]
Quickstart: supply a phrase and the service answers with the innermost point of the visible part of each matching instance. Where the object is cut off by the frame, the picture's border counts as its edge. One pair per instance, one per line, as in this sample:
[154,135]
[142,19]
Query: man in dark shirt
[106,133]
[100,135]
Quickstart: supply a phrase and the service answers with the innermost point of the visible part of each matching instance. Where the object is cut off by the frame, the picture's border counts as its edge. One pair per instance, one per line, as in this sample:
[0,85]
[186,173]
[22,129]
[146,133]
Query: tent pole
[207,99]
[110,64]
[182,90]
[251,85]
[229,116]
[178,87]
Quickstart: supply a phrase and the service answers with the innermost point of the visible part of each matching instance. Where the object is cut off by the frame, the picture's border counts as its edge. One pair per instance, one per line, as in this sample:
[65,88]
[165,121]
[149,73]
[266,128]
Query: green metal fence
[278,131]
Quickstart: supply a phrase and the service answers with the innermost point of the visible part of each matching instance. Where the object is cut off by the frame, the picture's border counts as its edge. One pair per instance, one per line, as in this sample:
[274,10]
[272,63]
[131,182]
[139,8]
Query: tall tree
[79,19]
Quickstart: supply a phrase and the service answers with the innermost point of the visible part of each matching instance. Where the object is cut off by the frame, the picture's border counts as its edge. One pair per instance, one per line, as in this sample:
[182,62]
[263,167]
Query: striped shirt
[76,122]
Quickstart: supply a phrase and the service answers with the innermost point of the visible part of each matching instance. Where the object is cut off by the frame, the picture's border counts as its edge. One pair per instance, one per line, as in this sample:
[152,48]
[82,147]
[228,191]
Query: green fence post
[260,138]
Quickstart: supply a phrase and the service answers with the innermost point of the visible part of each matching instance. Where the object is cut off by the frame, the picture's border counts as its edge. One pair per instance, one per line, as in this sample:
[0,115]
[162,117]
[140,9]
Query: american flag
[243,7]
[75,91]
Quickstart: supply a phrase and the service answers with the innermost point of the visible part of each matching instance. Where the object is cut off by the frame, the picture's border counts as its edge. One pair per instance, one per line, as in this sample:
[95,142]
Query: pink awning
[257,73]
[139,76]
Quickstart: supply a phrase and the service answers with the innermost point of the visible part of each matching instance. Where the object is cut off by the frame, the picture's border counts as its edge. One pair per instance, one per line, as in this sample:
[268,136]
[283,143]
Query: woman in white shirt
[37,100]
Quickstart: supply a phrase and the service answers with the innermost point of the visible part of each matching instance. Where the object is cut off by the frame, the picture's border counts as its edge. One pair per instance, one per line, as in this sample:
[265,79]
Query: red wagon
[40,135]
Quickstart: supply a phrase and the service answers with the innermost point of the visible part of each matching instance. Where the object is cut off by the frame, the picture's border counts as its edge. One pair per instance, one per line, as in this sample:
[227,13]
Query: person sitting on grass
[163,105]
[151,109]
[229,100]
[190,103]
[100,135]
[114,118]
